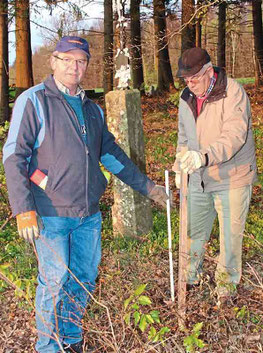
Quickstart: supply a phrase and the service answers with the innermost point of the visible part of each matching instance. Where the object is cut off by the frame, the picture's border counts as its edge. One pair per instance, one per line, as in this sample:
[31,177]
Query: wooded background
[156,34]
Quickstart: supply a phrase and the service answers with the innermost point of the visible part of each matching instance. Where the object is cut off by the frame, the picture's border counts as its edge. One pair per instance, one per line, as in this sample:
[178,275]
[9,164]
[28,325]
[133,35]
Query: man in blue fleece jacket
[56,141]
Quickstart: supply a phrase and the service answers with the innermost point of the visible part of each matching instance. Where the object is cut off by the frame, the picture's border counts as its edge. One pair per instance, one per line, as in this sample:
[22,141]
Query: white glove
[178,180]
[191,161]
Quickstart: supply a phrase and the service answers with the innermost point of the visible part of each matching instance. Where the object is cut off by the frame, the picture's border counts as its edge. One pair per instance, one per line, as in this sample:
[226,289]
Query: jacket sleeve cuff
[206,160]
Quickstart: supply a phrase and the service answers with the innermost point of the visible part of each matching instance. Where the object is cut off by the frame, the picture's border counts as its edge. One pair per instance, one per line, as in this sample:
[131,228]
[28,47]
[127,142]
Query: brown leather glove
[158,194]
[27,225]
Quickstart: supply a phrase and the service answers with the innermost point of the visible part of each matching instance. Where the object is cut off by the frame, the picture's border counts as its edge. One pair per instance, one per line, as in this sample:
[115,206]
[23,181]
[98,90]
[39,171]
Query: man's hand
[191,161]
[158,194]
[176,167]
[27,225]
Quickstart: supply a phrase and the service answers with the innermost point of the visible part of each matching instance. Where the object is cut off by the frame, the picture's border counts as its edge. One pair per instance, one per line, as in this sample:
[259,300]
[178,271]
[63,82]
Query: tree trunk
[136,47]
[4,89]
[221,45]
[188,31]
[165,76]
[258,40]
[198,33]
[108,47]
[24,72]
[198,26]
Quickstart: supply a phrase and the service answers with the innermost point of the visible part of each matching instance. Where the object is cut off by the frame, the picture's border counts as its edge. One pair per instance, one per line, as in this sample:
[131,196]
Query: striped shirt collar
[80,91]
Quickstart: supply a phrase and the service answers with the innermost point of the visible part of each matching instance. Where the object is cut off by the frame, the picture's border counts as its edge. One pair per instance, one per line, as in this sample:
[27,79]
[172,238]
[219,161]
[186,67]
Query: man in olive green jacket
[215,126]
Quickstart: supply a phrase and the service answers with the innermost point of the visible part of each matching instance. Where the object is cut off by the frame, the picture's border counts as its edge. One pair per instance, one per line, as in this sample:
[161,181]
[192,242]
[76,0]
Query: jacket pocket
[227,170]
[219,173]
[103,182]
[50,178]
[97,185]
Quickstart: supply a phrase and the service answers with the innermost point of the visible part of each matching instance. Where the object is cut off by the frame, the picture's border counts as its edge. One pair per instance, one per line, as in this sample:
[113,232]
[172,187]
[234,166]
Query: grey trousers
[231,208]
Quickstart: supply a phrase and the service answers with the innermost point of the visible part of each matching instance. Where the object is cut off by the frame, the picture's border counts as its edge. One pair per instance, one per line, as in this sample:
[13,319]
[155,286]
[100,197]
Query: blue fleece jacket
[45,134]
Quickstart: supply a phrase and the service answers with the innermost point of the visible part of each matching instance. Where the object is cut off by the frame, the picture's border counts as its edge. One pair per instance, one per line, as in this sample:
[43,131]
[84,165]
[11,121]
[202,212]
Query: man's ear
[52,62]
[211,72]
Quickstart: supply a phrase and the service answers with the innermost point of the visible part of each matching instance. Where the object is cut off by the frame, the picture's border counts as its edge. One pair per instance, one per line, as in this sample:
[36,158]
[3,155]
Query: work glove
[177,162]
[176,166]
[159,195]
[178,179]
[191,161]
[28,225]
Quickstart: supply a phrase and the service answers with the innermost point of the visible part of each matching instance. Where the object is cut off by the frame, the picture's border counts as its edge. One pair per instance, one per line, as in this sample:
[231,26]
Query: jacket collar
[80,91]
[218,92]
[51,89]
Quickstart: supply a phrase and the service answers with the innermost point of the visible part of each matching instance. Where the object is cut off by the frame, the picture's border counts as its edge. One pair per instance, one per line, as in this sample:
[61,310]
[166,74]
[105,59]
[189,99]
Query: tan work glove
[191,161]
[176,166]
[158,194]
[27,225]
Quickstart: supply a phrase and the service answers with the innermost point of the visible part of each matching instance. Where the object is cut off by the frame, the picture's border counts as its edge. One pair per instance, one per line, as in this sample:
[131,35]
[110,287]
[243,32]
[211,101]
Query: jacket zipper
[202,108]
[86,157]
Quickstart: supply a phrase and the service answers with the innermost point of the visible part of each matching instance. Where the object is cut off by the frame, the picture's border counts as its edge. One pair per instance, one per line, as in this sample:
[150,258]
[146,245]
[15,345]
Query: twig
[6,221]
[163,341]
[250,236]
[14,286]
[256,275]
[91,296]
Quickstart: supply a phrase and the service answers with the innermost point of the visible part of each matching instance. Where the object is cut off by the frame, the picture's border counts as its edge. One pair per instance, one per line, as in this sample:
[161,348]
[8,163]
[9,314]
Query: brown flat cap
[192,61]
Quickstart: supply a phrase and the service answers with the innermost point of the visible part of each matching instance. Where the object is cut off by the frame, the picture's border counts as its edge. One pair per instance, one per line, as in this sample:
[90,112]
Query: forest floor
[128,264]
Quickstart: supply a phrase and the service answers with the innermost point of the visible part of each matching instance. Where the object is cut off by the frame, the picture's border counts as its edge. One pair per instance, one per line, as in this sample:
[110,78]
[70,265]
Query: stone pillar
[131,212]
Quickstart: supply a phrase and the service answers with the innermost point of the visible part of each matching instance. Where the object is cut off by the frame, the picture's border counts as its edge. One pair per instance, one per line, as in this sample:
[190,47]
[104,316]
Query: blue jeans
[66,246]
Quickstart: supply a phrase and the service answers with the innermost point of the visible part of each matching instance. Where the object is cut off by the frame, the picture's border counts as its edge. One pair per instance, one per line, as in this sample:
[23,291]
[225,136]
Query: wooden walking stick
[168,208]
[182,249]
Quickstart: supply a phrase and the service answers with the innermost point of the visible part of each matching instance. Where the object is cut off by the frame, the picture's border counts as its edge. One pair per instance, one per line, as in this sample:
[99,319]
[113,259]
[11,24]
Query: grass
[99,90]
[246,80]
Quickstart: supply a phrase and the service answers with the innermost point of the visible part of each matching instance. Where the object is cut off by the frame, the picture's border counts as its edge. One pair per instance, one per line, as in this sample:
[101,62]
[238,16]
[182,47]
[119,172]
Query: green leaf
[107,175]
[4,266]
[156,338]
[135,306]
[155,315]
[136,316]
[199,343]
[144,300]
[11,276]
[188,341]
[149,319]
[140,289]
[197,327]
[127,302]
[152,333]
[127,318]
[164,330]
[143,323]
[18,283]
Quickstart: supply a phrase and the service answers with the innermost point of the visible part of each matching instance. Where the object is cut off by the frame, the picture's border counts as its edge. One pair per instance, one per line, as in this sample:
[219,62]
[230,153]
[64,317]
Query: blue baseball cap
[68,43]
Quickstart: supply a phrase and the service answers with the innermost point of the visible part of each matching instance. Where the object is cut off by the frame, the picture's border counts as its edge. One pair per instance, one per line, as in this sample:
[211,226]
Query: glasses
[197,78]
[69,62]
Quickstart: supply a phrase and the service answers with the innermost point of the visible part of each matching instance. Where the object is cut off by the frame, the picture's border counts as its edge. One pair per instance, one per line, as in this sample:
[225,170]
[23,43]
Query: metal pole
[168,208]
